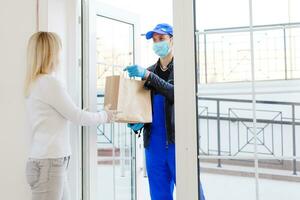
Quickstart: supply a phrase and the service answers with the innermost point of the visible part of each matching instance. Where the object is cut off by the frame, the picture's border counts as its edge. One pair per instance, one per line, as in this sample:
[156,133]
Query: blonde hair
[42,56]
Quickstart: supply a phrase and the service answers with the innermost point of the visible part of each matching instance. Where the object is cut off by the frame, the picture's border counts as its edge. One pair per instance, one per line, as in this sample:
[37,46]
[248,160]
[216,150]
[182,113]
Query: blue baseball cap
[164,29]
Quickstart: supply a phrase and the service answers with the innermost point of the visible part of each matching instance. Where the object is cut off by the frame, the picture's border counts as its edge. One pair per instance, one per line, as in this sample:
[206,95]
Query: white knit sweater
[50,108]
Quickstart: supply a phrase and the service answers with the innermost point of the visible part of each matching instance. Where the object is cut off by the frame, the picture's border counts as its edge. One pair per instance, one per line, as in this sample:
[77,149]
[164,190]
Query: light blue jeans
[48,178]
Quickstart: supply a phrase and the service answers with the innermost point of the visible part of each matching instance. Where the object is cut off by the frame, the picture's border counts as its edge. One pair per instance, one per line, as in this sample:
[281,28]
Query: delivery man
[159,136]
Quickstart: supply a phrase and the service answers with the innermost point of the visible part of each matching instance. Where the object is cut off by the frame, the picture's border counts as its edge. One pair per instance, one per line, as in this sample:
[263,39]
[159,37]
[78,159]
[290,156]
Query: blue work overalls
[160,156]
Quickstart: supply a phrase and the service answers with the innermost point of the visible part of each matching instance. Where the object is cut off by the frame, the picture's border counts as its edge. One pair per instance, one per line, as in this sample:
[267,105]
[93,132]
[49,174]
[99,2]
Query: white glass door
[111,160]
[115,142]
[247,98]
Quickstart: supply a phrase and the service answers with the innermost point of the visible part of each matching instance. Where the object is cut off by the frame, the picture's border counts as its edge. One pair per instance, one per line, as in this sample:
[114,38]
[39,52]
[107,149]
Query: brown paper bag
[130,98]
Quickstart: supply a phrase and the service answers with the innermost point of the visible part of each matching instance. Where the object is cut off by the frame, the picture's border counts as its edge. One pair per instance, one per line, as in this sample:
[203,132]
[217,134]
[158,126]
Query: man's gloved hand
[136,71]
[135,127]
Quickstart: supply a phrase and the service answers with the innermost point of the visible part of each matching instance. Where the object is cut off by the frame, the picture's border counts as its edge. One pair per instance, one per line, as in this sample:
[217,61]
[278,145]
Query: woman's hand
[112,115]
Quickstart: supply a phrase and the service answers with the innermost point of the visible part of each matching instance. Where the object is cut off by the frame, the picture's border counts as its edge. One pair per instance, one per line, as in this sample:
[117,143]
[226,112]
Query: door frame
[90,10]
[185,77]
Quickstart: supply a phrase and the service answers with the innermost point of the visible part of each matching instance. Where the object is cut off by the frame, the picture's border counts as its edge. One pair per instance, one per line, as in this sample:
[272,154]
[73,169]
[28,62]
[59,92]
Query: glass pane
[114,48]
[279,11]
[232,181]
[278,179]
[269,53]
[115,37]
[278,116]
[277,102]
[215,14]
[292,39]
[116,143]
[224,50]
[224,57]
[225,109]
[226,129]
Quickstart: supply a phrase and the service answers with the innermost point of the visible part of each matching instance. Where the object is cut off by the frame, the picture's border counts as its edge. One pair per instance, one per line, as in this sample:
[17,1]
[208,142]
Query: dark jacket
[165,88]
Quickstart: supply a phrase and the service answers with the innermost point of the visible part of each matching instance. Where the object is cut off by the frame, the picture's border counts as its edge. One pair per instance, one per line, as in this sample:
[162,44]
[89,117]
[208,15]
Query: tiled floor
[216,187]
[224,187]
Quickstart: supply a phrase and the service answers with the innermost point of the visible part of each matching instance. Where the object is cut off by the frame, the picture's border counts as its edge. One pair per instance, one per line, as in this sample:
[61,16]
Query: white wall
[62,18]
[17,23]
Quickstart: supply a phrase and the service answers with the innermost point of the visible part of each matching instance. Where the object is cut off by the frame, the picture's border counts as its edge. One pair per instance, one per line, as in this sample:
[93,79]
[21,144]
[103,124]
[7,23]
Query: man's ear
[171,41]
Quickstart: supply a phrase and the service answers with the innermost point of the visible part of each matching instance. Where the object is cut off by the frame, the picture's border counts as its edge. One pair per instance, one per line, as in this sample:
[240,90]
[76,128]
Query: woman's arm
[57,97]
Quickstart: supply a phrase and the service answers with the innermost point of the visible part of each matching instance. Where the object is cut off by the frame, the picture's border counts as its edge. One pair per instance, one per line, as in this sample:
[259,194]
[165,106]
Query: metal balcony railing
[226,128]
[224,54]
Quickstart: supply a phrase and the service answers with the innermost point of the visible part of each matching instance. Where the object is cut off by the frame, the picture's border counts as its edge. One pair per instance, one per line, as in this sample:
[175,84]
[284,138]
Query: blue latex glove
[135,127]
[136,71]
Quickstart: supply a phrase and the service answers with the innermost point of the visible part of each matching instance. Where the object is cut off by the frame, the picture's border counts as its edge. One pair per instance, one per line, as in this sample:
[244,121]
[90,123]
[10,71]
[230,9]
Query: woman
[159,136]
[49,109]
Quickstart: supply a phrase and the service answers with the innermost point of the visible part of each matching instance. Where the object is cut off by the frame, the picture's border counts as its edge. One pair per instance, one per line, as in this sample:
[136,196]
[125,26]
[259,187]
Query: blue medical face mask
[161,48]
